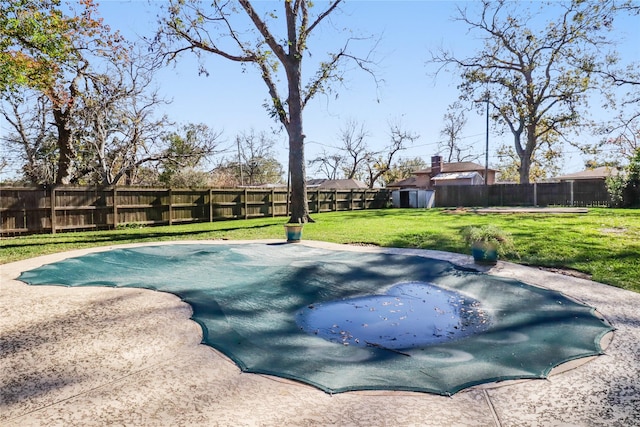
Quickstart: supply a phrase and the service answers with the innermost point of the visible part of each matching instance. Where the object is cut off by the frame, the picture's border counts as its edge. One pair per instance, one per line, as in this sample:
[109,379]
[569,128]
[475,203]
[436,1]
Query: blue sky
[231,101]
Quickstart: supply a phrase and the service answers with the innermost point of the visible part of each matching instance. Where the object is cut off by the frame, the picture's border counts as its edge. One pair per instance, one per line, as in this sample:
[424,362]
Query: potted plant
[293,231]
[488,242]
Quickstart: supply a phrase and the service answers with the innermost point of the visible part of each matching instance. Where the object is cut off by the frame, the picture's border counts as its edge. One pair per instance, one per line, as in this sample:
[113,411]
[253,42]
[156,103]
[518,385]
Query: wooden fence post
[571,189]
[273,202]
[170,206]
[210,205]
[53,209]
[246,204]
[115,207]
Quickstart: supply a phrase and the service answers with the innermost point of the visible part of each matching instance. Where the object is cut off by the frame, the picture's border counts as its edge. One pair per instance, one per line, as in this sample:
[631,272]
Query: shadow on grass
[426,240]
[129,237]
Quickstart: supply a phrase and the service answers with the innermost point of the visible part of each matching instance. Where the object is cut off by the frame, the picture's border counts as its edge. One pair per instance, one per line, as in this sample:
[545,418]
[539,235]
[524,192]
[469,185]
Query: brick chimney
[436,165]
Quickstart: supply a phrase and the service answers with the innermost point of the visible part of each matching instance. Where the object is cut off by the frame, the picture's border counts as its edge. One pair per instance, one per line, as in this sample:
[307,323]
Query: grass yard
[604,244]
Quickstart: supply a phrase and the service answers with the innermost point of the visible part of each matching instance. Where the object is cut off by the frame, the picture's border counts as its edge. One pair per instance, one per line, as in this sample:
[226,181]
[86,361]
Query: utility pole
[486,156]
[486,150]
[240,162]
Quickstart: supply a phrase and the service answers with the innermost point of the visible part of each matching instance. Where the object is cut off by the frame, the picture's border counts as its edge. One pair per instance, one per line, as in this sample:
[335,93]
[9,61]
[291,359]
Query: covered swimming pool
[343,320]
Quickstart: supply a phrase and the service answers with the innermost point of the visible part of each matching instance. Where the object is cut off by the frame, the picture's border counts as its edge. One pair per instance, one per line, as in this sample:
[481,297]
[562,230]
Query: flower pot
[294,232]
[484,253]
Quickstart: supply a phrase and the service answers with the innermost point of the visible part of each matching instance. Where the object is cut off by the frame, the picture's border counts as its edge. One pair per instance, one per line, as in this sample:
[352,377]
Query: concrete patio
[104,356]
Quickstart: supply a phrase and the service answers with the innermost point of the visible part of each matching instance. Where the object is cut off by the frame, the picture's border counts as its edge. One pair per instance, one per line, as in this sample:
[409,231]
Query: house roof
[413,181]
[455,167]
[422,178]
[338,184]
[264,186]
[596,173]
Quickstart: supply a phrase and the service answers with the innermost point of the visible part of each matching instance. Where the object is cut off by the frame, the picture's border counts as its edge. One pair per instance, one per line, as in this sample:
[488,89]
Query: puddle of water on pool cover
[409,315]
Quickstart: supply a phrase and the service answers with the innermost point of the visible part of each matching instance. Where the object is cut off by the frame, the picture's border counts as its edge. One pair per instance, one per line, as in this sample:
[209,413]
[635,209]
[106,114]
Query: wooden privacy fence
[575,193]
[39,210]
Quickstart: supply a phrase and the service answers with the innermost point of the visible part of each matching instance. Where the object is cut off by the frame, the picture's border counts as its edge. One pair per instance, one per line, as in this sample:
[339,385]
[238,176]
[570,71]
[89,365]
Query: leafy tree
[96,97]
[187,149]
[51,52]
[188,177]
[535,76]
[263,171]
[257,162]
[33,42]
[404,169]
[113,126]
[544,164]
[225,175]
[624,188]
[277,45]
[146,175]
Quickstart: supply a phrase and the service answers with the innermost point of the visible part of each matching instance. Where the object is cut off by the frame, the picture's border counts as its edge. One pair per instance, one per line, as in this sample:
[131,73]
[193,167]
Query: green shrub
[490,235]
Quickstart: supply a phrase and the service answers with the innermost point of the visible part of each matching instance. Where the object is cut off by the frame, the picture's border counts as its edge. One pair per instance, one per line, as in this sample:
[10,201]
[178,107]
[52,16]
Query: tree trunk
[62,113]
[297,169]
[526,155]
[525,167]
[64,173]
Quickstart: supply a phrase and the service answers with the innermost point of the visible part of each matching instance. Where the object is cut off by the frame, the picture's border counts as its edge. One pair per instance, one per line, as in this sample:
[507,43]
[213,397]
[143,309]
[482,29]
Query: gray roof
[338,184]
[596,173]
[455,175]
[456,167]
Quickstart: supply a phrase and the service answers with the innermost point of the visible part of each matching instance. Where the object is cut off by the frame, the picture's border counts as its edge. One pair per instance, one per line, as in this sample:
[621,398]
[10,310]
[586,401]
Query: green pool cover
[342,320]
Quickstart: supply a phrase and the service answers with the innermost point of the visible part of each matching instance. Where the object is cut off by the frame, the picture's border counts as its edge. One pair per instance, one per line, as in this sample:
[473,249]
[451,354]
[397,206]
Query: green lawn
[604,243]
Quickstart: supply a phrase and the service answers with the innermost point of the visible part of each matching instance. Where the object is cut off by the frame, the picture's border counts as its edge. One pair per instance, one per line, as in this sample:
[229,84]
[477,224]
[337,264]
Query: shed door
[404,199]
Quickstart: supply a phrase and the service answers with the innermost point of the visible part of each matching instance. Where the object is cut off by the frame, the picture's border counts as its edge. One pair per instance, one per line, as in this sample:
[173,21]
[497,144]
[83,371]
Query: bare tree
[109,130]
[254,163]
[356,152]
[328,164]
[117,120]
[218,28]
[454,123]
[621,135]
[257,160]
[620,140]
[381,162]
[535,77]
[33,137]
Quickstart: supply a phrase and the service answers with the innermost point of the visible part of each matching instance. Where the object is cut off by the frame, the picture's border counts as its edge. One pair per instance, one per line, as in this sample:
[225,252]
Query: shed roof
[456,175]
[455,167]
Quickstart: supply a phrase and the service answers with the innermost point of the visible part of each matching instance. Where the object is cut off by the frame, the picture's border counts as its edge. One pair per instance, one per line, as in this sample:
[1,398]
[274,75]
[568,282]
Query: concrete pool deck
[103,356]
